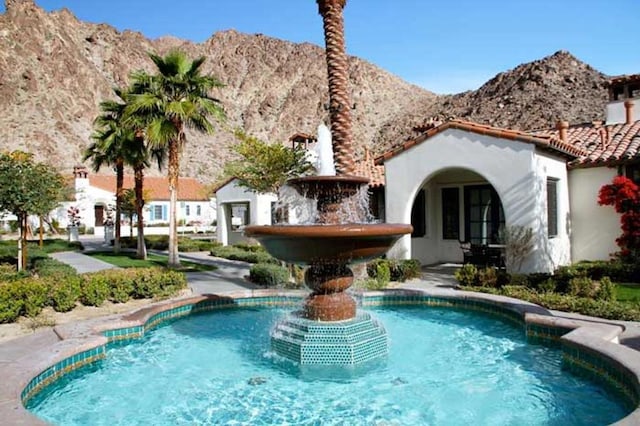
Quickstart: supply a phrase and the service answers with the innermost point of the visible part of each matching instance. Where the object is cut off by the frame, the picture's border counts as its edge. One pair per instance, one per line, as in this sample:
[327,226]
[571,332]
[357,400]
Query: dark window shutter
[552,207]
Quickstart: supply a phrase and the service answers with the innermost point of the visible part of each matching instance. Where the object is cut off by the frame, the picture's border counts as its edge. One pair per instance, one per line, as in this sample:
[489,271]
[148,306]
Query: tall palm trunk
[119,191]
[138,174]
[173,173]
[338,72]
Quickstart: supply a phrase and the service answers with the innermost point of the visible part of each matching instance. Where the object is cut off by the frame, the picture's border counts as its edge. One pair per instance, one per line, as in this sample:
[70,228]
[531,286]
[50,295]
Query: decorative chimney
[628,111]
[624,93]
[562,127]
[80,172]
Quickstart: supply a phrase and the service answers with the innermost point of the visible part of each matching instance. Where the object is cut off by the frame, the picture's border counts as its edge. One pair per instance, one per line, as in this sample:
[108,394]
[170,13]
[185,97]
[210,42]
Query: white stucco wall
[515,170]
[259,210]
[555,250]
[594,228]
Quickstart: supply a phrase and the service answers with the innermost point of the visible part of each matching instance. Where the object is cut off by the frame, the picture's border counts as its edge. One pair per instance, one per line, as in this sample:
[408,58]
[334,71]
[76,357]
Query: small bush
[95,290]
[467,275]
[410,268]
[581,287]
[10,302]
[235,253]
[383,274]
[145,284]
[35,295]
[9,272]
[606,290]
[268,275]
[547,286]
[66,293]
[171,282]
[121,286]
[487,277]
[252,247]
[372,284]
[48,267]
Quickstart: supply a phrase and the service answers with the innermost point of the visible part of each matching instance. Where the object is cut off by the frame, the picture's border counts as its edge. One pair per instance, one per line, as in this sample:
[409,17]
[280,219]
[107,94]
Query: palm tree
[168,102]
[109,139]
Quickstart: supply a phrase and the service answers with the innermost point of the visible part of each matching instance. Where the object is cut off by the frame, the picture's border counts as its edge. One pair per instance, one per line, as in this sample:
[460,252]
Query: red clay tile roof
[622,79]
[547,142]
[603,145]
[189,189]
[369,169]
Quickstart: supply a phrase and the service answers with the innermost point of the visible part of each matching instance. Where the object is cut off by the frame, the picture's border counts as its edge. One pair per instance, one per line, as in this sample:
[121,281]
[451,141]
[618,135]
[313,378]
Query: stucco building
[460,181]
[94,196]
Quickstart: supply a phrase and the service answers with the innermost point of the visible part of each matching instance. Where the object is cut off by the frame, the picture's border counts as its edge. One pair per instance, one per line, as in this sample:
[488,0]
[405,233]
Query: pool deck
[21,357]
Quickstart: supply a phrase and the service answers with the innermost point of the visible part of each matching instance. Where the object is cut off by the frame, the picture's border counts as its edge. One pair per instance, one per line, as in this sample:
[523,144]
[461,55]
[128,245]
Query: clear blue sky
[444,46]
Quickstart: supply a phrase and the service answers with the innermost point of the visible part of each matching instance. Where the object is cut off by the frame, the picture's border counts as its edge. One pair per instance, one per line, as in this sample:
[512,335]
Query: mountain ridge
[55,69]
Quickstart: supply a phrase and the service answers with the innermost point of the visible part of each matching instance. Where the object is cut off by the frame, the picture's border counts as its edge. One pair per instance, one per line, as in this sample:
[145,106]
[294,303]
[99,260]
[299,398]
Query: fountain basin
[328,244]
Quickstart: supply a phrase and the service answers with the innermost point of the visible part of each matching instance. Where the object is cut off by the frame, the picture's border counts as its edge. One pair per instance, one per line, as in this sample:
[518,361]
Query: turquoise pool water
[445,367]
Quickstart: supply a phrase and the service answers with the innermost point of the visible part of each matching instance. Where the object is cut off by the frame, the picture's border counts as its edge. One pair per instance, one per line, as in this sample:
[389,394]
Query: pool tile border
[588,348]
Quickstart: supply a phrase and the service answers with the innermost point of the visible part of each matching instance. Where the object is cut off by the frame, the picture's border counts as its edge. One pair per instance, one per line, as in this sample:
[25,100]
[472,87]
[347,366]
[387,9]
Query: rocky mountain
[55,70]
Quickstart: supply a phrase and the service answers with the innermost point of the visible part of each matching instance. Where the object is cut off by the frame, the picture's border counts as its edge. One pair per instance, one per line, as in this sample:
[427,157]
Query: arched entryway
[453,206]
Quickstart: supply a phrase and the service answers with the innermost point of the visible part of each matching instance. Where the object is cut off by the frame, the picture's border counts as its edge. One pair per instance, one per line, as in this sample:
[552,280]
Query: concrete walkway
[81,262]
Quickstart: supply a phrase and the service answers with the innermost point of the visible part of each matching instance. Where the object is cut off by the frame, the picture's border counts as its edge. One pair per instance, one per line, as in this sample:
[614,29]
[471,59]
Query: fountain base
[342,343]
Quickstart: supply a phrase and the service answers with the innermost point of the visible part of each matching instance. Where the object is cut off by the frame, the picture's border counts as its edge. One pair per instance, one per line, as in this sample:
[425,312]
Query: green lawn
[628,293]
[128,260]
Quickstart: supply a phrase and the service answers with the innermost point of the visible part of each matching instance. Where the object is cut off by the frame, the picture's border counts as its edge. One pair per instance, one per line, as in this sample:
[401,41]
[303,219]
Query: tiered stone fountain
[329,330]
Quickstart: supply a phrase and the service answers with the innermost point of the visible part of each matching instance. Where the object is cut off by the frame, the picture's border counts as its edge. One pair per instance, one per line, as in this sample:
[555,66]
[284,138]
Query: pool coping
[589,347]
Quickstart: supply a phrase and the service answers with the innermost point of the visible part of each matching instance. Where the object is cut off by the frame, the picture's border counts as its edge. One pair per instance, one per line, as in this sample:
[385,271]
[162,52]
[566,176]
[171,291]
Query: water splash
[324,152]
[303,210]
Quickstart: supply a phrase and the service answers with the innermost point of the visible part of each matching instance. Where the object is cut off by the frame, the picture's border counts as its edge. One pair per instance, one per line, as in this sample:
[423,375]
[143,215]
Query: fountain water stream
[328,330]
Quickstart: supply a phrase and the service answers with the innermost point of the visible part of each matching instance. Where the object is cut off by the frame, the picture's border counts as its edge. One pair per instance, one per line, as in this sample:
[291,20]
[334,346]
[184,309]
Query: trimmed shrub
[268,275]
[252,247]
[487,277]
[383,274]
[372,284]
[66,293]
[171,282]
[235,253]
[399,270]
[34,294]
[581,287]
[547,286]
[95,290]
[145,284]
[10,302]
[48,267]
[467,275]
[606,290]
[121,286]
[9,272]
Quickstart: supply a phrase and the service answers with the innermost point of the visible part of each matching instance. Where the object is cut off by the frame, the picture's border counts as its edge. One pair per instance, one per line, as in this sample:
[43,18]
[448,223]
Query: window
[484,217]
[419,216]
[552,207]
[187,210]
[198,210]
[450,214]
[158,212]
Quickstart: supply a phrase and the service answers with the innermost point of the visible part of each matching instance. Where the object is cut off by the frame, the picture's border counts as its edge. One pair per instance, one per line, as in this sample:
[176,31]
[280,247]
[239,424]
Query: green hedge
[269,275]
[242,253]
[62,289]
[608,309]
[161,242]
[399,270]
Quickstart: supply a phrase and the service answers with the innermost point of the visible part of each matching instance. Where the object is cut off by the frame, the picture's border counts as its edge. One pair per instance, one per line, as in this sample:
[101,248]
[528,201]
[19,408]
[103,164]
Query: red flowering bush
[624,195]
